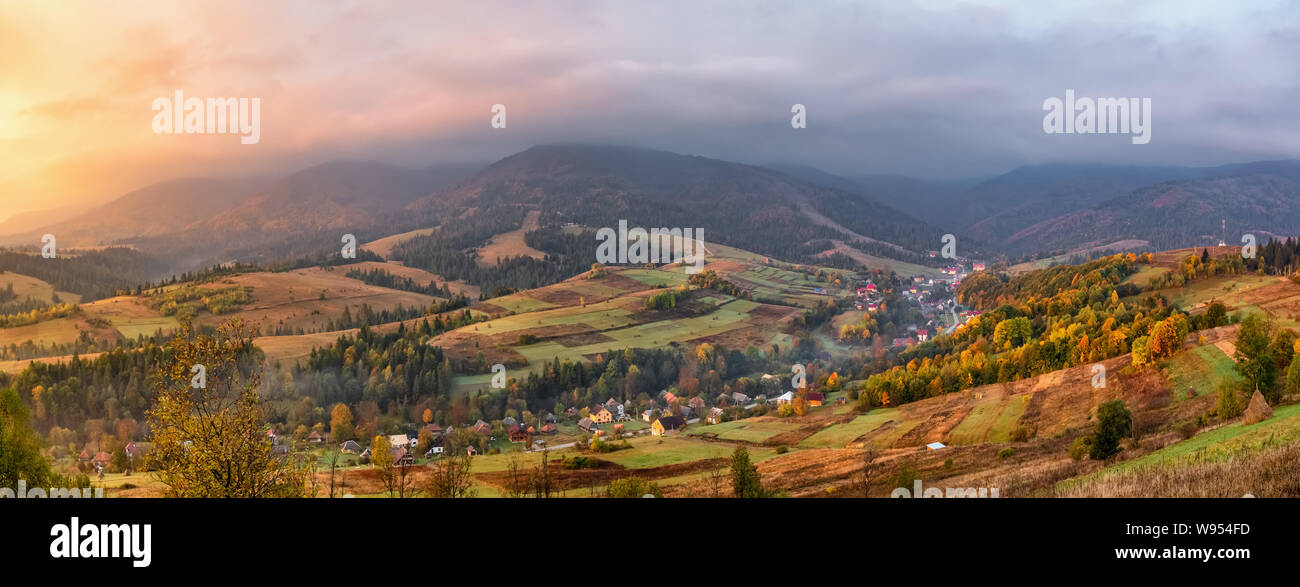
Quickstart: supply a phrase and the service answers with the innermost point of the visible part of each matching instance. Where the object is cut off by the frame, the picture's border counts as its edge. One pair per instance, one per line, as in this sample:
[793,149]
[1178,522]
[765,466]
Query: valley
[481,325]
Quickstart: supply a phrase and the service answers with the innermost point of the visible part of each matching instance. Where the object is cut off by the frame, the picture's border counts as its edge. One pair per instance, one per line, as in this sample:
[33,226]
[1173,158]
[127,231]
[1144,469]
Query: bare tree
[542,483]
[717,480]
[517,484]
[868,468]
[334,465]
[450,477]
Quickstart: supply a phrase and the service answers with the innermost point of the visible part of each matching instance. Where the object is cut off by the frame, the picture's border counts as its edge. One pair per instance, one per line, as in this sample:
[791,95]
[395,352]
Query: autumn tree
[799,404]
[382,460]
[1013,332]
[209,438]
[1165,338]
[341,423]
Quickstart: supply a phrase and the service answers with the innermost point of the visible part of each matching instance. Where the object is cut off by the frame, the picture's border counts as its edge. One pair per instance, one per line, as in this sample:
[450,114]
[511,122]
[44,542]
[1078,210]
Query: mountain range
[1041,209]
[791,211]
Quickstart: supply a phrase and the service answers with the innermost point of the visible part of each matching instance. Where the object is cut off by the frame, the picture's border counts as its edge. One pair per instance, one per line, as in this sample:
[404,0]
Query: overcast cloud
[934,89]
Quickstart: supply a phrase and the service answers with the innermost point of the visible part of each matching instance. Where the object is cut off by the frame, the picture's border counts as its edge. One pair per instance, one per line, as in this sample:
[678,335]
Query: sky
[931,89]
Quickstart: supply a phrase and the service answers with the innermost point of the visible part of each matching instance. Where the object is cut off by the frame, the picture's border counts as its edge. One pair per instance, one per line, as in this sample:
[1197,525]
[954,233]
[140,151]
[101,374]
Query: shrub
[633,487]
[1081,448]
[579,462]
[1006,453]
[1230,403]
[906,476]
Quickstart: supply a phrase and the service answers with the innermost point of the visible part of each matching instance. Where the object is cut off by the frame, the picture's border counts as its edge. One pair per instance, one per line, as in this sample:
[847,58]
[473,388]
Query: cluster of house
[100,460]
[670,415]
[672,418]
[868,297]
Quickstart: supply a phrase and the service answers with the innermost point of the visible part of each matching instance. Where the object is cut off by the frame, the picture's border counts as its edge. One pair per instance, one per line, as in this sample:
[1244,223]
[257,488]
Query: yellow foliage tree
[209,439]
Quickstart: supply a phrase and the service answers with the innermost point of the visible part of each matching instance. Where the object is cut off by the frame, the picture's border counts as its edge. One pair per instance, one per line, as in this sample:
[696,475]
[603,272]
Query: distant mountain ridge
[750,207]
[1223,203]
[162,208]
[1060,207]
[787,211]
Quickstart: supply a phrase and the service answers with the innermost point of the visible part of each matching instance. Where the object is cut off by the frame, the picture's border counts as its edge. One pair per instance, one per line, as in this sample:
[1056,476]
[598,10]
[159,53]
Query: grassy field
[57,331]
[974,428]
[520,303]
[992,419]
[511,244]
[309,298]
[1145,273]
[384,246]
[656,451]
[31,287]
[657,277]
[1199,369]
[755,430]
[840,435]
[1100,250]
[1009,419]
[1227,289]
[419,276]
[1219,444]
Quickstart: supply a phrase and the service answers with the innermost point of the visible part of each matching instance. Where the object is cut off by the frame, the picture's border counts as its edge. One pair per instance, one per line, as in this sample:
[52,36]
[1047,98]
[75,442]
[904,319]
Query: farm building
[668,425]
[402,457]
[601,415]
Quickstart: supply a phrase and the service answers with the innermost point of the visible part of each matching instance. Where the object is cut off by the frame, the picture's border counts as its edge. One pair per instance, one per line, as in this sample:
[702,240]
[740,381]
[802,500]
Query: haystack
[1258,410]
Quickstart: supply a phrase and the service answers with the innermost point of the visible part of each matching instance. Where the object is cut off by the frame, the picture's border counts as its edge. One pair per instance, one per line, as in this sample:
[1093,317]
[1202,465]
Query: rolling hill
[749,207]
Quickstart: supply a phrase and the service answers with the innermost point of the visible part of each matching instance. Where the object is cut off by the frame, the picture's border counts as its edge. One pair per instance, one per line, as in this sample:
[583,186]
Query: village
[940,313]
